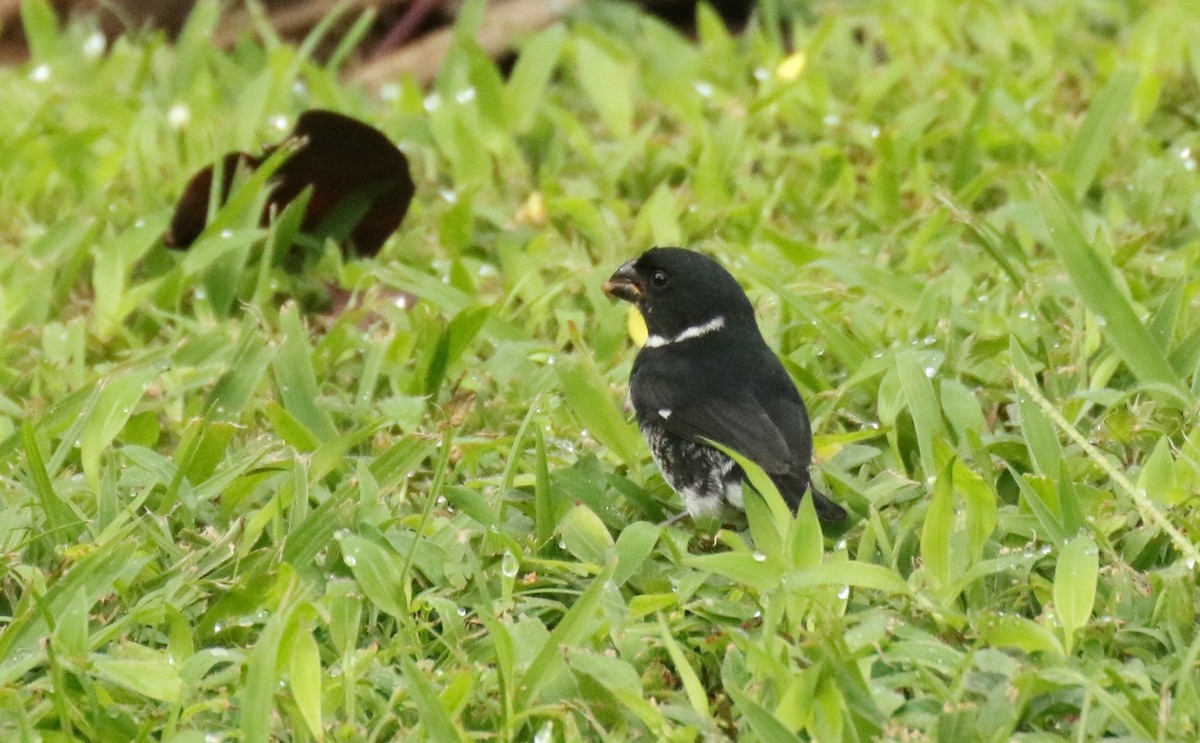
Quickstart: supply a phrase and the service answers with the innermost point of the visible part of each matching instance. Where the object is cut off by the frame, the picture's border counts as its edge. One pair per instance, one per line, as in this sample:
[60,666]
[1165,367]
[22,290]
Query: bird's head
[681,294]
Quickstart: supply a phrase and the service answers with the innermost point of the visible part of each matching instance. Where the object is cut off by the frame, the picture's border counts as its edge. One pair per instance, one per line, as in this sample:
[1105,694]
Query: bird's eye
[659,279]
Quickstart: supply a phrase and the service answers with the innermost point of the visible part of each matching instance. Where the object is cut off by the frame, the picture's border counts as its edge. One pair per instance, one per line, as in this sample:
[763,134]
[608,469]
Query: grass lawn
[970,230]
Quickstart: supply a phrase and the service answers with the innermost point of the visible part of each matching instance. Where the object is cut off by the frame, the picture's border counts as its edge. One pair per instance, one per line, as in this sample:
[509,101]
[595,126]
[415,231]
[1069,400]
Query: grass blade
[1092,278]
[1091,142]
[1075,585]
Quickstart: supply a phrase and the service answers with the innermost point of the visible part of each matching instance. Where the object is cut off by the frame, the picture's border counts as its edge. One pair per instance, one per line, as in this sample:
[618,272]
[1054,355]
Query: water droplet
[340,534]
[874,132]
[40,74]
[831,119]
[93,45]
[350,560]
[389,92]
[462,611]
[280,122]
[703,88]
[466,95]
[844,593]
[930,371]
[1190,563]
[226,234]
[300,88]
[760,73]
[841,545]
[759,557]
[509,565]
[217,628]
[432,102]
[178,116]
[451,197]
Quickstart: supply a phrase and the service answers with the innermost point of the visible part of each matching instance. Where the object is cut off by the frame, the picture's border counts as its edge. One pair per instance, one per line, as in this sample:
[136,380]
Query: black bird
[705,372]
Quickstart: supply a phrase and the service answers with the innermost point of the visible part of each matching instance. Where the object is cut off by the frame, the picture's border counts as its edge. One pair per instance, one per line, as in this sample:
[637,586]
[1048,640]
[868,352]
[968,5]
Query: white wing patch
[664,413]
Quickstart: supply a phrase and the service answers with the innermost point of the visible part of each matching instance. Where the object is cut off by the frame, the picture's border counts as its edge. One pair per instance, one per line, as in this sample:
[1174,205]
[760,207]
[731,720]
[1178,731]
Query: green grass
[970,231]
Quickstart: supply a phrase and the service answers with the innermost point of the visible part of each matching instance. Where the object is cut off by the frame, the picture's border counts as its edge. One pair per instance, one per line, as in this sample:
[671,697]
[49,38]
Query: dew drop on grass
[280,122]
[844,593]
[1189,163]
[178,116]
[1191,563]
[462,611]
[350,560]
[300,88]
[466,95]
[509,565]
[217,629]
[432,102]
[93,45]
[40,74]
[340,534]
[841,544]
[703,88]
[759,557]
[449,196]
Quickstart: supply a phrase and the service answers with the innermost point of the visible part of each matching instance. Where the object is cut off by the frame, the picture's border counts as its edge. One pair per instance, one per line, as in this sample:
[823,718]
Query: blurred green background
[970,230]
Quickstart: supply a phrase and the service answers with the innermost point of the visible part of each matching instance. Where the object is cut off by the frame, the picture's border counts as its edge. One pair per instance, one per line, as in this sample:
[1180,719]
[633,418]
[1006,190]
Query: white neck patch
[696,331]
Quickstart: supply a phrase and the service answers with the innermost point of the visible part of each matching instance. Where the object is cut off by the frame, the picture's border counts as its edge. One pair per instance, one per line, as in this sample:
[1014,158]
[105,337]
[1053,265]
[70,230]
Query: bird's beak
[624,284]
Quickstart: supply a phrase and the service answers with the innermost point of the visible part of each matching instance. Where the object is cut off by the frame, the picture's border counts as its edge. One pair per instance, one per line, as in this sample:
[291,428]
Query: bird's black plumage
[705,372]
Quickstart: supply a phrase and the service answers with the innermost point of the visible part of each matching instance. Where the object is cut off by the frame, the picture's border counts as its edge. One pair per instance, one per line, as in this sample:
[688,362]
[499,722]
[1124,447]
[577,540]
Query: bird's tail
[827,511]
